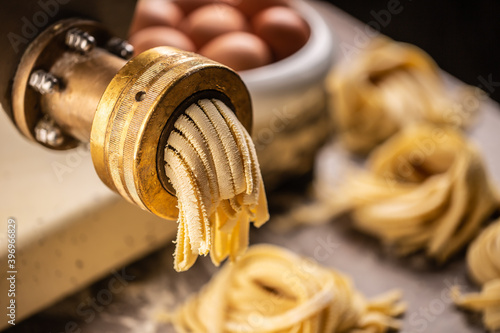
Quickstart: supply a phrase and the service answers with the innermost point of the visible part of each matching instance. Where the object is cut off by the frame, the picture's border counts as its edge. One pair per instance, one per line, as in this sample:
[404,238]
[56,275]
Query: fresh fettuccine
[424,189]
[212,165]
[388,86]
[273,290]
[483,260]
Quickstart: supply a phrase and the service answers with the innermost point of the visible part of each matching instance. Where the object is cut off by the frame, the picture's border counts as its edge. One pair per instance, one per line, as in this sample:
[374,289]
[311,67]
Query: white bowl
[289,101]
[308,65]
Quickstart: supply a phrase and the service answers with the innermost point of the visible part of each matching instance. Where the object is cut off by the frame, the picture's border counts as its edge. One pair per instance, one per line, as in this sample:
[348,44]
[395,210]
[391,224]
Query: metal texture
[22,21]
[138,108]
[126,110]
[85,78]
[50,53]
[42,54]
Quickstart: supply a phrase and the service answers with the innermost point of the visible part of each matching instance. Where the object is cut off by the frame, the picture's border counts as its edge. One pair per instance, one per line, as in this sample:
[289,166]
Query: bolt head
[126,51]
[87,44]
[79,40]
[43,82]
[48,133]
[120,47]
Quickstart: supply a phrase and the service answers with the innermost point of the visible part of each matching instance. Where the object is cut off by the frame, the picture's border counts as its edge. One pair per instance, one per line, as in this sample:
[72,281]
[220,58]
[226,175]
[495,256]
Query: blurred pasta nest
[389,86]
[483,256]
[483,260]
[426,188]
[273,290]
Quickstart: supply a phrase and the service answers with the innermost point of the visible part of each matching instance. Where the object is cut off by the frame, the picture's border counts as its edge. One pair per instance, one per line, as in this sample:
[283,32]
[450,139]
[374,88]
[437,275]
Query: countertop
[150,286]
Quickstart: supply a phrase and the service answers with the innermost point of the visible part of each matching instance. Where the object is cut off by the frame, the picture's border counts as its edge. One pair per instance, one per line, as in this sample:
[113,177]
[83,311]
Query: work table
[143,291]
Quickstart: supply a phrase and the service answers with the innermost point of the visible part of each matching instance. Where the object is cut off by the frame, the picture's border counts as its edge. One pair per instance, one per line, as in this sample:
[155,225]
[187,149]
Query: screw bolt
[80,40]
[48,133]
[43,82]
[120,47]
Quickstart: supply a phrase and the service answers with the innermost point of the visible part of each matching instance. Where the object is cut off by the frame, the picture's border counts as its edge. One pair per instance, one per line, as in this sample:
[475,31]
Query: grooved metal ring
[136,108]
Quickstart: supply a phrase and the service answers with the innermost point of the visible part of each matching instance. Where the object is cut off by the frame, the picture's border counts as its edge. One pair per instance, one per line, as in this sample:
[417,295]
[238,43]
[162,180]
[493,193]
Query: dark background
[461,36]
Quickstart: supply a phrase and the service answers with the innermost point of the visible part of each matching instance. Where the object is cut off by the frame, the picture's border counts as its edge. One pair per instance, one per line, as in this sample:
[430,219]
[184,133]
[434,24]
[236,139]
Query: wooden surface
[153,287]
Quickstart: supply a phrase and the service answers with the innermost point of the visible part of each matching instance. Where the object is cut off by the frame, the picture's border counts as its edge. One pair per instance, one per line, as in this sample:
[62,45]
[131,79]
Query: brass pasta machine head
[74,84]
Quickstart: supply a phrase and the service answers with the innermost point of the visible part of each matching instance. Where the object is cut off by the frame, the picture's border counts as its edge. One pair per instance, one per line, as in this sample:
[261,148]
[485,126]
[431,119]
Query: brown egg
[160,36]
[210,21]
[282,29]
[252,7]
[238,50]
[155,12]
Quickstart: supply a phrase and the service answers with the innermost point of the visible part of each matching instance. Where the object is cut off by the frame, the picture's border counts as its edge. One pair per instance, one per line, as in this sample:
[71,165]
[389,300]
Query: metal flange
[34,80]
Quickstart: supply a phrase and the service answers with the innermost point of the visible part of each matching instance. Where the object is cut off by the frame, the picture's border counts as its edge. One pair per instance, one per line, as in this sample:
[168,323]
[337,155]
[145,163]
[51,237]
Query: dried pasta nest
[483,260]
[273,290]
[387,87]
[483,256]
[424,189]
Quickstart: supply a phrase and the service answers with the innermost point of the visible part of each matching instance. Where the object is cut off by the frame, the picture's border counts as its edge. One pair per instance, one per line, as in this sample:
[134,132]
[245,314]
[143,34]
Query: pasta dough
[425,189]
[273,290]
[483,259]
[387,87]
[212,165]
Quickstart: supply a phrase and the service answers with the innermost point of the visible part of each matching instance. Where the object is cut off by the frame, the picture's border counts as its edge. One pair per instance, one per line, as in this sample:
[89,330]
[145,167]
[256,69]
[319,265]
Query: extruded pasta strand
[212,165]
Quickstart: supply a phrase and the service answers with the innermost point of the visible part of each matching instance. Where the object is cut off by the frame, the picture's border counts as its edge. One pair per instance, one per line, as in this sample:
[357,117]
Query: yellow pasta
[270,289]
[424,189]
[388,86]
[212,165]
[483,260]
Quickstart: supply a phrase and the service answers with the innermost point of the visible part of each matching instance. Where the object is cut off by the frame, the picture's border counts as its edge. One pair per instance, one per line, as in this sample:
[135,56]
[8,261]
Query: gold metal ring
[139,104]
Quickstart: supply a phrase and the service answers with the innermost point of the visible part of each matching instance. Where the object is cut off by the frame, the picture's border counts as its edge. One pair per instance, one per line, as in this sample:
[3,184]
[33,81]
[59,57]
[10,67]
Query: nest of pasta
[387,87]
[483,261]
[424,189]
[273,290]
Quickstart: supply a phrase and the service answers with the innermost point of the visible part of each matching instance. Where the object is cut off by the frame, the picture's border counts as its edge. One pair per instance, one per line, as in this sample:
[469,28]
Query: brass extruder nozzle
[75,85]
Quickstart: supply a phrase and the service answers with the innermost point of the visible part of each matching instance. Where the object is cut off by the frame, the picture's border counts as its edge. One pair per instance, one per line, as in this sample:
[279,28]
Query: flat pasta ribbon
[388,86]
[212,165]
[483,260]
[270,289]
